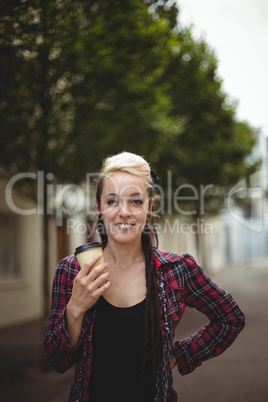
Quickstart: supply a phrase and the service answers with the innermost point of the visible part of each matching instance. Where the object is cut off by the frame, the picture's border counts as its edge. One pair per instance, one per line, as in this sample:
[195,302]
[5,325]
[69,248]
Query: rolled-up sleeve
[58,351]
[226,319]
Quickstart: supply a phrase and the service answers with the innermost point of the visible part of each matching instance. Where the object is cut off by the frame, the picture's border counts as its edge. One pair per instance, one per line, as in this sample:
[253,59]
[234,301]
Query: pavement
[240,374]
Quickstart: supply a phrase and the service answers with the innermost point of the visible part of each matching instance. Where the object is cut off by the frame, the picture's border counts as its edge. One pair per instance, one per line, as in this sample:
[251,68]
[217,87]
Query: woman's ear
[151,205]
[149,213]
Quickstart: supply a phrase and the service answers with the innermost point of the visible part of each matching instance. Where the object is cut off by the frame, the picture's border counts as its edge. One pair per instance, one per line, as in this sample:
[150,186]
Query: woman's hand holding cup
[89,284]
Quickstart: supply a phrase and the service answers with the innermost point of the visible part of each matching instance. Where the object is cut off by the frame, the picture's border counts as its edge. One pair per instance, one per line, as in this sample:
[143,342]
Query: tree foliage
[213,145]
[80,79]
[86,78]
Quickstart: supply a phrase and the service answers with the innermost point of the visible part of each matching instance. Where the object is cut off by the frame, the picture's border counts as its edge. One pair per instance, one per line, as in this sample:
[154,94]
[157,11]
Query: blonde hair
[129,163]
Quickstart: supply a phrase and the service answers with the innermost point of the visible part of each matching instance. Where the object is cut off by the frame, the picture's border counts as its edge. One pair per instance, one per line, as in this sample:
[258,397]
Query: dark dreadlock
[152,344]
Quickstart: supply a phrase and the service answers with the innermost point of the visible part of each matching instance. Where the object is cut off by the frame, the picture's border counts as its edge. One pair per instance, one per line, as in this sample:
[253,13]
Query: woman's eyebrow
[111,195]
[131,195]
[135,194]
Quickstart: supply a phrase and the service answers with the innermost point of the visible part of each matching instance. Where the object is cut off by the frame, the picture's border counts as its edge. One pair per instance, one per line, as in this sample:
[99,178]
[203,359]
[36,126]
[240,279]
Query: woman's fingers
[173,362]
[100,279]
[87,289]
[90,283]
[98,283]
[97,271]
[87,267]
[102,284]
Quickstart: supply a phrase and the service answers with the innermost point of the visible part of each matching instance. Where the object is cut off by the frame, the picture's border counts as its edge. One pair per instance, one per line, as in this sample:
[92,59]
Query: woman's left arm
[225,316]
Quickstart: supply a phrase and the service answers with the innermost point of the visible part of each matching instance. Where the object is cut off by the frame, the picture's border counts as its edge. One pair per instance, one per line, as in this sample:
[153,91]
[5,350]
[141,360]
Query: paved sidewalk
[24,375]
[239,375]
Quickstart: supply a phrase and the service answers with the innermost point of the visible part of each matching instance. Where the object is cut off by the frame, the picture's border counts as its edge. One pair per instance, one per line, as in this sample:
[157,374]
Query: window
[9,247]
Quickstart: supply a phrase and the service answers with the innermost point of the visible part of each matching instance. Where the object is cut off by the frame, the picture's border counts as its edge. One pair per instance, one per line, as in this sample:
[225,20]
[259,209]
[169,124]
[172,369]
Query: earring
[149,215]
[100,216]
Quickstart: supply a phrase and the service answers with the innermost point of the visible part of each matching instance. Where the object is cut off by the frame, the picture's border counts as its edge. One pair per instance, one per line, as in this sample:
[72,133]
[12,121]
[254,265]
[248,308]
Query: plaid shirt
[181,283]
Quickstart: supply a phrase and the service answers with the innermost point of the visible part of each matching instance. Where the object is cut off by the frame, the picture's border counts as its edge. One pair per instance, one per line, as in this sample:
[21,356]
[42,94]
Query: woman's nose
[124,209]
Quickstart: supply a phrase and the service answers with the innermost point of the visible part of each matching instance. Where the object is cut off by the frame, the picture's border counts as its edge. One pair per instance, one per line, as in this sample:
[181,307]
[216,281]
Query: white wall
[21,297]
[176,234]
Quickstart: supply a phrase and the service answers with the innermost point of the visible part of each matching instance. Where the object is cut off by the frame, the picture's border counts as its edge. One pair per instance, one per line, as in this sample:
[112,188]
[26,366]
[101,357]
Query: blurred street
[239,375]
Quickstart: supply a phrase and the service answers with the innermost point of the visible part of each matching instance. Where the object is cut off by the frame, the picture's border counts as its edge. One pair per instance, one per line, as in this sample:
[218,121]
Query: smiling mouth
[124,225]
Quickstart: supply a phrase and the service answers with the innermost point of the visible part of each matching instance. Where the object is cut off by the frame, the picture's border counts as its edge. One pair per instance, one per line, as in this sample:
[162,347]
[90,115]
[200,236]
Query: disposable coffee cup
[86,251]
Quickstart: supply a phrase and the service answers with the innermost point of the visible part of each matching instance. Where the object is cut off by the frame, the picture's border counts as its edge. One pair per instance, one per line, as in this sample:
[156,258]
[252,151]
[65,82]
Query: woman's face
[124,207]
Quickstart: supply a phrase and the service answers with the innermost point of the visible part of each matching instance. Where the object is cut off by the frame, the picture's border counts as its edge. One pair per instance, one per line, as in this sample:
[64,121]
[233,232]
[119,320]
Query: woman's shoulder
[167,257]
[68,266]
[178,269]
[69,260]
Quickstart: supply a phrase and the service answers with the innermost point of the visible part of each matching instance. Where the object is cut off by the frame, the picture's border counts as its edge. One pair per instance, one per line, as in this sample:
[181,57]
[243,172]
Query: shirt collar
[162,258]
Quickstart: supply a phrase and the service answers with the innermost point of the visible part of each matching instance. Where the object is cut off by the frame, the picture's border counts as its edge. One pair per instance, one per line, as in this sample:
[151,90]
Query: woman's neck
[123,255]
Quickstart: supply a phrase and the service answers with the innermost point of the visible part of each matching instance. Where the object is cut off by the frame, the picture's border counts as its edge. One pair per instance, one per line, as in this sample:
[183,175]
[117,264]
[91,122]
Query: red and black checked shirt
[181,283]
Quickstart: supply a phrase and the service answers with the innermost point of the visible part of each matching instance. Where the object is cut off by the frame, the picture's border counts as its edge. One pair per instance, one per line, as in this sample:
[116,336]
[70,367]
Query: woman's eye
[137,202]
[112,202]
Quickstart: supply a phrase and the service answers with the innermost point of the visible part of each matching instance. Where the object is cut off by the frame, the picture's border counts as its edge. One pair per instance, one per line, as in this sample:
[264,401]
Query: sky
[237,30]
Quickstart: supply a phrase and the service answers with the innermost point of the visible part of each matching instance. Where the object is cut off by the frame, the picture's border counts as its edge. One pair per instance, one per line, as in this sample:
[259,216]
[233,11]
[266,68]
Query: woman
[118,326]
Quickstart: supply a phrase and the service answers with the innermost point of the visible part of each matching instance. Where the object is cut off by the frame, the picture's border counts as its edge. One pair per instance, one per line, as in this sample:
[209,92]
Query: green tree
[120,86]
[212,145]
[78,79]
[210,155]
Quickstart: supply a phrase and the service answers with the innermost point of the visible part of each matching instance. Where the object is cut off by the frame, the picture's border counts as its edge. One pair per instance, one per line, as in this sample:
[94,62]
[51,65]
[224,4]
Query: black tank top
[117,347]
